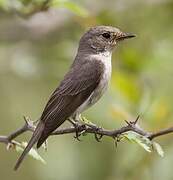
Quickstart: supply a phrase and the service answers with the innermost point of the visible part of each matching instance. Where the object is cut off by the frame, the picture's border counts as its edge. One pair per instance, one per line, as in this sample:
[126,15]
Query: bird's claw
[76,125]
[97,136]
[86,124]
[77,134]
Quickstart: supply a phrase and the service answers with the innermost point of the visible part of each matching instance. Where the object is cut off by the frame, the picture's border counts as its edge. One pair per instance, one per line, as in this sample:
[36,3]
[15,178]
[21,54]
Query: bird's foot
[77,126]
[88,123]
[96,128]
[97,136]
[85,123]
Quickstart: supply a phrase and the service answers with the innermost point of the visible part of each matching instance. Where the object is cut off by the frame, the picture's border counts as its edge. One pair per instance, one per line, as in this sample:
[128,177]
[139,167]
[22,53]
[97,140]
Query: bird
[83,85]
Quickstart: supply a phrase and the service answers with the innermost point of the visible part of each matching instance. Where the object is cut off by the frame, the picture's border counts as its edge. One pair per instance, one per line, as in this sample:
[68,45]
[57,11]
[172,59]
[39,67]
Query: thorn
[25,119]
[128,123]
[137,119]
[28,121]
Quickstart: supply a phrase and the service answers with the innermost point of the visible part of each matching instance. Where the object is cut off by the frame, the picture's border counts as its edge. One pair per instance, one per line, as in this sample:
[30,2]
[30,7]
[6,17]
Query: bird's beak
[121,36]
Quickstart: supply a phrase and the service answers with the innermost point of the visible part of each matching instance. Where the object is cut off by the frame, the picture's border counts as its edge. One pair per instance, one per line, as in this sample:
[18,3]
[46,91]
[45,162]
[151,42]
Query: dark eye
[106,35]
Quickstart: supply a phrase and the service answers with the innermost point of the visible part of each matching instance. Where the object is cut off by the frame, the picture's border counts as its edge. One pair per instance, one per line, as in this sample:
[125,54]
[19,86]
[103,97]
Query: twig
[130,126]
[160,133]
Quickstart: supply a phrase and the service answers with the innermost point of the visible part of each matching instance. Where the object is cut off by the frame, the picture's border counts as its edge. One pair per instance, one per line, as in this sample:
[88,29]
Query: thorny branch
[81,128]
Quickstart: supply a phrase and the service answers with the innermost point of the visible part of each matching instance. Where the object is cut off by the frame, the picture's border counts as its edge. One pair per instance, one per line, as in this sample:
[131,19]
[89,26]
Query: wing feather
[76,87]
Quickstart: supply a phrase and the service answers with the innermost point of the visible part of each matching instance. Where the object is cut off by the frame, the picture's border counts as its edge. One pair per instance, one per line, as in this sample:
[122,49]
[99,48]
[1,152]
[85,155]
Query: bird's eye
[106,35]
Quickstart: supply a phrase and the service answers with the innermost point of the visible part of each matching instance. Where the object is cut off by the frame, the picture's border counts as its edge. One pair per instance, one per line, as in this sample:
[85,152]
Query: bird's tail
[33,140]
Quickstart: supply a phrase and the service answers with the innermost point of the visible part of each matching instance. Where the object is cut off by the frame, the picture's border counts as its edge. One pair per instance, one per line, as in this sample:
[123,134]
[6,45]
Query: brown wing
[76,87]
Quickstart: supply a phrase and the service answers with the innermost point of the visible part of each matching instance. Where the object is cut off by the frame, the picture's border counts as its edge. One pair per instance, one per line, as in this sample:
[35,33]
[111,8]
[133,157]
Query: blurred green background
[37,46]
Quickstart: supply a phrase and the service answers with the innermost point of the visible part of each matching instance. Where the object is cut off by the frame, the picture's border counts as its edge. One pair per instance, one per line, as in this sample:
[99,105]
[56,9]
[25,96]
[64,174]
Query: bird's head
[102,38]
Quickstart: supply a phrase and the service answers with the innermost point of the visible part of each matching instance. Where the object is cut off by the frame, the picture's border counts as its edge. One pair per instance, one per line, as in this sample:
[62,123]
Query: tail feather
[42,139]
[33,140]
[47,131]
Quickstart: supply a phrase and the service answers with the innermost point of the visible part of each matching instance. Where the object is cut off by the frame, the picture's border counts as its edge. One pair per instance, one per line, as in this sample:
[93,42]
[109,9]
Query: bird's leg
[93,126]
[76,125]
[88,123]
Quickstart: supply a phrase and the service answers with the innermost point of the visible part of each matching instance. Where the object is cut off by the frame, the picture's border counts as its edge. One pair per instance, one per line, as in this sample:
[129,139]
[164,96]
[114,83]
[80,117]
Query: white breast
[102,86]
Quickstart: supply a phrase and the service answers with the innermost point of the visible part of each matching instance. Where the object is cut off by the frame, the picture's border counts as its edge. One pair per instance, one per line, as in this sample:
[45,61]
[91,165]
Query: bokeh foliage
[36,49]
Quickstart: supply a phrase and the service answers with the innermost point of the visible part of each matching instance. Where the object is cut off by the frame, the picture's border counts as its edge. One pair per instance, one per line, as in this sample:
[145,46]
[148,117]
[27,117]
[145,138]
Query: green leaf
[143,141]
[19,147]
[158,148]
[73,7]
